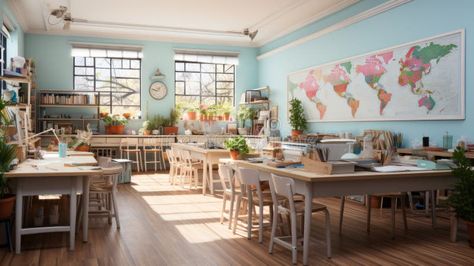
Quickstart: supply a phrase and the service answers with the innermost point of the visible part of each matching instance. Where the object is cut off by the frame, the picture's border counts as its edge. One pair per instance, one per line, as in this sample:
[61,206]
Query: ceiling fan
[64,16]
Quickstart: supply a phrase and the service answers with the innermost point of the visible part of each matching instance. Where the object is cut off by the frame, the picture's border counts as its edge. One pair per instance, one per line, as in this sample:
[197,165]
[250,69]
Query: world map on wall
[417,81]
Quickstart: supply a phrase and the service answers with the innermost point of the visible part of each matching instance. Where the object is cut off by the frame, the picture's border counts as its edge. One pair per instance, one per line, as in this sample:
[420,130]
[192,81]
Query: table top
[52,165]
[307,176]
[446,154]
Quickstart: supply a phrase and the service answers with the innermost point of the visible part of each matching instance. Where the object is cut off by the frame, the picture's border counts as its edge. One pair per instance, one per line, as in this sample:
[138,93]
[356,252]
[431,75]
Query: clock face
[158,90]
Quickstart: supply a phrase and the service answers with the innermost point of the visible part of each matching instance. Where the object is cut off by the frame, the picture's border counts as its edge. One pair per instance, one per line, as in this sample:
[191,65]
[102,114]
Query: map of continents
[417,63]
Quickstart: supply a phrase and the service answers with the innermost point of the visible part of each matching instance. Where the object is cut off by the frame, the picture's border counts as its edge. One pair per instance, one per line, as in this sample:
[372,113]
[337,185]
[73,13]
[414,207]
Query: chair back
[103,161]
[226,176]
[151,143]
[169,153]
[186,157]
[249,176]
[110,173]
[282,186]
[126,143]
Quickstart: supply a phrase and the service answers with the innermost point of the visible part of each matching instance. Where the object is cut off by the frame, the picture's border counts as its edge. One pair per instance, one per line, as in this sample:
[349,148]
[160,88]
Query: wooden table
[432,154]
[209,158]
[312,185]
[52,176]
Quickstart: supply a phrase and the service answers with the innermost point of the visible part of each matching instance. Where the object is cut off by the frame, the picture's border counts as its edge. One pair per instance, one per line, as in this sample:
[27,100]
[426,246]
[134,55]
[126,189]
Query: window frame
[200,72]
[108,93]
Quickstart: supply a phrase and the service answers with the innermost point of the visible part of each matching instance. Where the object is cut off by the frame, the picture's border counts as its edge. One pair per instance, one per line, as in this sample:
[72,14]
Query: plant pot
[234,155]
[296,133]
[203,117]
[191,115]
[227,116]
[83,148]
[115,130]
[170,130]
[146,132]
[243,131]
[6,206]
[470,232]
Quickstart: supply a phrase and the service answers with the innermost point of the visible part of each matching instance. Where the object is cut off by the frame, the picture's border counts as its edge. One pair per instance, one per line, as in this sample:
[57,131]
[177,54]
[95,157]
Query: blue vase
[62,148]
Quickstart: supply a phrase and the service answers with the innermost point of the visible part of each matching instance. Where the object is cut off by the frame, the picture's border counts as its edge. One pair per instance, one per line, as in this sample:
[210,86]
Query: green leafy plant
[114,120]
[462,198]
[245,113]
[173,119]
[226,108]
[297,118]
[4,120]
[7,155]
[237,144]
[155,122]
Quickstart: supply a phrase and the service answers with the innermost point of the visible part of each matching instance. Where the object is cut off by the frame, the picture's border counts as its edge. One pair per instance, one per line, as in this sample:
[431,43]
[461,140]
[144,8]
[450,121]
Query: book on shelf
[67,98]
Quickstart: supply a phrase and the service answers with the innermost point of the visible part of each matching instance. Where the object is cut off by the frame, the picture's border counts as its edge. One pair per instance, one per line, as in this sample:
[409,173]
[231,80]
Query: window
[115,74]
[204,82]
[3,57]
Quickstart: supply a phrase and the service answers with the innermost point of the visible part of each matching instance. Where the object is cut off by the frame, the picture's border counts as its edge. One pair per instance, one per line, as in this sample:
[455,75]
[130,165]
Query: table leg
[85,207]
[72,214]
[433,209]
[18,217]
[308,206]
[211,179]
[204,175]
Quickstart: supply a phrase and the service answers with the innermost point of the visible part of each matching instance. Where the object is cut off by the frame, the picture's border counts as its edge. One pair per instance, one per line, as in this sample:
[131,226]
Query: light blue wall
[409,22]
[52,55]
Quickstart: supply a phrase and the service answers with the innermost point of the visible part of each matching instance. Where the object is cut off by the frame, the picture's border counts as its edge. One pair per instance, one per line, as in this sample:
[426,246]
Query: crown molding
[343,24]
[331,10]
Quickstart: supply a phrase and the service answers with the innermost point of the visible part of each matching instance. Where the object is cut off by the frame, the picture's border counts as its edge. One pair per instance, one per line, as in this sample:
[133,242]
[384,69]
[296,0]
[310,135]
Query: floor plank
[166,225]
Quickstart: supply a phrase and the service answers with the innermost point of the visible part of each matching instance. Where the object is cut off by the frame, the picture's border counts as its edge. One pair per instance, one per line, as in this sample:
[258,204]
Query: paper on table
[396,168]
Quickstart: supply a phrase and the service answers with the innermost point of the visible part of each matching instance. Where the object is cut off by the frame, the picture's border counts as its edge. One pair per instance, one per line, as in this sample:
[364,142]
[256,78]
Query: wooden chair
[102,191]
[173,165]
[284,187]
[189,169]
[128,146]
[393,197]
[250,183]
[153,145]
[228,185]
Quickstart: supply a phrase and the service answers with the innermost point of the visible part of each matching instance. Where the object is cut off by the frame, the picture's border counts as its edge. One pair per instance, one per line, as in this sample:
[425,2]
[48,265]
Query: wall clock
[158,90]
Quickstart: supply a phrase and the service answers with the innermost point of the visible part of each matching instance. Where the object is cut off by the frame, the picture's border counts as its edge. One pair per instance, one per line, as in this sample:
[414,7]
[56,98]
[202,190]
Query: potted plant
[237,147]
[203,113]
[297,119]
[7,200]
[245,113]
[213,111]
[191,113]
[154,124]
[82,140]
[462,199]
[226,109]
[114,124]
[169,124]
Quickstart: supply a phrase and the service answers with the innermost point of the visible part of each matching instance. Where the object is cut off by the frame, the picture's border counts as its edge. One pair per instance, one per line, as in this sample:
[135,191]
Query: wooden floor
[164,225]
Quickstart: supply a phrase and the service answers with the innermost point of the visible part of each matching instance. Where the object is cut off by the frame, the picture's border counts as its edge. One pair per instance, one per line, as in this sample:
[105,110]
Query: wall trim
[340,25]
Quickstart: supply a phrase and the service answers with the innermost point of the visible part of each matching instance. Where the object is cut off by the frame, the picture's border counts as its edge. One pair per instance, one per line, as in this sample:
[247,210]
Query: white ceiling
[201,21]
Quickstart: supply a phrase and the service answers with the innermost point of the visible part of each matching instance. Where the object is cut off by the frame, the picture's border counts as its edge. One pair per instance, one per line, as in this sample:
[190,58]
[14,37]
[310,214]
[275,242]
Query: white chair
[174,165]
[189,169]
[250,182]
[228,185]
[153,146]
[102,191]
[393,197]
[284,187]
[128,146]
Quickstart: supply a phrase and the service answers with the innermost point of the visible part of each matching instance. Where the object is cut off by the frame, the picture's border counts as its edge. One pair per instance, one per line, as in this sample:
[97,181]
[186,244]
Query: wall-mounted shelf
[69,105]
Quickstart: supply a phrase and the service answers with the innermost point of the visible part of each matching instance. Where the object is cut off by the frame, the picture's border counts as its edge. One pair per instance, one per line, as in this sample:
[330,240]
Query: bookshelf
[259,104]
[55,110]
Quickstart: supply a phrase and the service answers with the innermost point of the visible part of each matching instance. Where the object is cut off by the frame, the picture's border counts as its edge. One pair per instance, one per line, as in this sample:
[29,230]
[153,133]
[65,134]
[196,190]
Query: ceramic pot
[170,131]
[115,130]
[146,132]
[296,133]
[6,206]
[234,155]
[191,115]
[83,148]
[226,116]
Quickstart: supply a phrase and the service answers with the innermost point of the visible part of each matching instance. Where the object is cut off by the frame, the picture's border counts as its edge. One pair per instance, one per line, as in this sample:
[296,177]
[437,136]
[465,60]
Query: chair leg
[274,227]
[116,212]
[328,234]
[404,212]
[231,210]
[224,199]
[249,215]
[294,251]
[410,200]
[341,215]
[260,222]
[237,211]
[369,208]
[145,162]
[394,207]
[154,155]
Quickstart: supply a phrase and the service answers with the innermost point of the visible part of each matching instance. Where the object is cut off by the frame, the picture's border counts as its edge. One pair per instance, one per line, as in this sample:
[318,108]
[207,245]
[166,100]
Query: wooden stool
[128,146]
